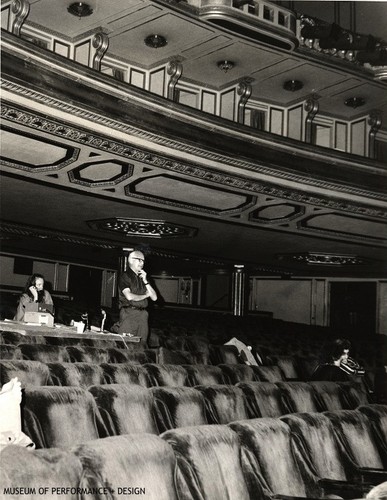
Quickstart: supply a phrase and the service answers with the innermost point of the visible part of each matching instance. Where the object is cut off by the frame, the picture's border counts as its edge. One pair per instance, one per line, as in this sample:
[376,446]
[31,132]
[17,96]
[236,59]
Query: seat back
[76,374]
[224,403]
[204,375]
[45,353]
[269,373]
[29,373]
[59,416]
[358,438]
[263,399]
[239,373]
[52,470]
[125,409]
[268,456]
[175,357]
[87,354]
[167,375]
[125,373]
[209,463]
[315,434]
[9,351]
[378,415]
[142,465]
[224,354]
[298,396]
[330,396]
[178,407]
[288,367]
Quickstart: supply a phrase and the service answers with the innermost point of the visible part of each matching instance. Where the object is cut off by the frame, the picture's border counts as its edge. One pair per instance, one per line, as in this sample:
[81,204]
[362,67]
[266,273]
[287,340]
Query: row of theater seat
[108,354]
[301,455]
[111,409]
[290,396]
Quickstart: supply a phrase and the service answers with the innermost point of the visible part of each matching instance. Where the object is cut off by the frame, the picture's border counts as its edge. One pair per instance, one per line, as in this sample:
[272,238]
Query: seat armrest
[344,489]
[372,475]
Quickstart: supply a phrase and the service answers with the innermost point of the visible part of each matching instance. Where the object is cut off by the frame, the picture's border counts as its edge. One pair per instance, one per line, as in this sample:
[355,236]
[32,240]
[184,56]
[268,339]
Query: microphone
[103,319]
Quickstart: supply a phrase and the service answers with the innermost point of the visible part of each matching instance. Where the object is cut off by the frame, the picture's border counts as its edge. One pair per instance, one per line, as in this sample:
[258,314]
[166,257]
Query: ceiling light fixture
[355,102]
[80,9]
[293,85]
[155,41]
[225,65]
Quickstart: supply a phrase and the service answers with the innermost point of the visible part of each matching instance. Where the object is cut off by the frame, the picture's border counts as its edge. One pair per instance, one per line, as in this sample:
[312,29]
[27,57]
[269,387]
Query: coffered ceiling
[74,180]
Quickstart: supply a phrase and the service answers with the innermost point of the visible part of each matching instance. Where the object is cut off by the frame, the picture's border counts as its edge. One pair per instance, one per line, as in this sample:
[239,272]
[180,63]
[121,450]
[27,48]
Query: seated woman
[33,292]
[337,365]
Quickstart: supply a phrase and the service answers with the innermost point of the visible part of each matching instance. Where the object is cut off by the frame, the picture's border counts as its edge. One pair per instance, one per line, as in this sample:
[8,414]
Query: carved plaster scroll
[20,10]
[100,44]
[311,107]
[244,91]
[174,70]
[375,122]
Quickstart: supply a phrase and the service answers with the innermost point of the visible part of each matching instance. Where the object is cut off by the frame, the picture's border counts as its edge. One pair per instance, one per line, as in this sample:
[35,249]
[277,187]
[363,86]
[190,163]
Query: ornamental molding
[176,145]
[326,259]
[144,228]
[37,122]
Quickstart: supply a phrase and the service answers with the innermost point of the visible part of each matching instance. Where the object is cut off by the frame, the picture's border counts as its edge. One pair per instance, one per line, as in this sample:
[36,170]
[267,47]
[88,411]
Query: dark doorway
[85,285]
[353,307]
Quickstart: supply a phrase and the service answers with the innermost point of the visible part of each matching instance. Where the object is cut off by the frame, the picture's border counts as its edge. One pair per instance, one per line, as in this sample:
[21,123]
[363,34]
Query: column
[239,290]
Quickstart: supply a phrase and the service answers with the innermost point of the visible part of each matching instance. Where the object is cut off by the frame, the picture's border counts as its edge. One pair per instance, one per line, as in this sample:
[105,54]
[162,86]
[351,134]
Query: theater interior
[241,145]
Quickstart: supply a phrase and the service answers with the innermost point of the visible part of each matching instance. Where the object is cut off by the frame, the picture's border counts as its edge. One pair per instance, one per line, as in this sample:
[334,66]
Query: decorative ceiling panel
[101,173]
[30,153]
[346,225]
[165,188]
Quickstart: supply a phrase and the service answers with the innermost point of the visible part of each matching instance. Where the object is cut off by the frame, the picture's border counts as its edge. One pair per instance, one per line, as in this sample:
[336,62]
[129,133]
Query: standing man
[134,290]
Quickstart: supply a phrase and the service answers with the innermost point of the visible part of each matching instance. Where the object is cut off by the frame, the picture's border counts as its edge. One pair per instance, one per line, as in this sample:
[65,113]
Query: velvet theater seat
[142,466]
[314,433]
[125,409]
[125,373]
[224,354]
[224,403]
[378,415]
[76,374]
[209,463]
[88,354]
[269,374]
[126,356]
[271,462]
[45,353]
[361,443]
[29,373]
[59,416]
[263,399]
[174,357]
[239,373]
[167,375]
[330,396]
[288,366]
[199,345]
[9,351]
[299,397]
[205,375]
[36,469]
[16,338]
[355,394]
[178,407]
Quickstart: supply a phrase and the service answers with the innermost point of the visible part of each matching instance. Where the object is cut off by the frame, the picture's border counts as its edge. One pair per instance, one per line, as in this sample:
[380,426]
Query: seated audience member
[33,292]
[337,366]
[10,417]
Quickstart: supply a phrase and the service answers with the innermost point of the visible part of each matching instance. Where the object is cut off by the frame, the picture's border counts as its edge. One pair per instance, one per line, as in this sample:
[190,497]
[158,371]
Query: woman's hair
[31,282]
[334,349]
